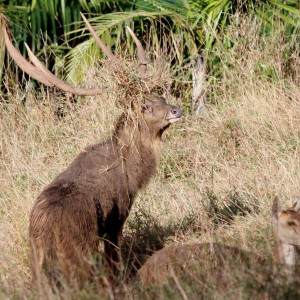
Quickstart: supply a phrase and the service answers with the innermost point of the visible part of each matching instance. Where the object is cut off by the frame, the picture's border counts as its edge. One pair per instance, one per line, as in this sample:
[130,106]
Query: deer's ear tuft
[276,208]
[296,206]
[147,108]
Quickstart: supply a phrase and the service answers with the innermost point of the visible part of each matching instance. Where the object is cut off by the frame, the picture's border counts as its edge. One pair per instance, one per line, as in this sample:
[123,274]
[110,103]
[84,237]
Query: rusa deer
[286,223]
[214,261]
[90,200]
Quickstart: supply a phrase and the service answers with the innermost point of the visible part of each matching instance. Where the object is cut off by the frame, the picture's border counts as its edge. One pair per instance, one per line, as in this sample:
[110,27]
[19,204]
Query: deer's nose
[176,112]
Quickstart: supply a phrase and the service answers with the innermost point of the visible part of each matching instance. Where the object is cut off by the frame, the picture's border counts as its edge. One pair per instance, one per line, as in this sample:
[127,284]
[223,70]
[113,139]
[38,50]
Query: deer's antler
[58,82]
[100,43]
[39,72]
[141,52]
[22,62]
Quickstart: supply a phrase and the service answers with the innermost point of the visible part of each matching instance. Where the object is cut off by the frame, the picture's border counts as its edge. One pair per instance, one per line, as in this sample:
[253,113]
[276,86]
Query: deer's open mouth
[170,121]
[173,120]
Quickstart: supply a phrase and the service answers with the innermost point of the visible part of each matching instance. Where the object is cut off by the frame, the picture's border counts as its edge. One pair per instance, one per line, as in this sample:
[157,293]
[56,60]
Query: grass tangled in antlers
[122,77]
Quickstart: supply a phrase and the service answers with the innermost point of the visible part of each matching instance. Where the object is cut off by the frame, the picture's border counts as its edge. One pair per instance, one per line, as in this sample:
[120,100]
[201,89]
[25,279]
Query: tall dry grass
[217,177]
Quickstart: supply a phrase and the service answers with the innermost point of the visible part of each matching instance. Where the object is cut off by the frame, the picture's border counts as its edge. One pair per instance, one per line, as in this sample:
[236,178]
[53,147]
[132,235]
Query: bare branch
[198,92]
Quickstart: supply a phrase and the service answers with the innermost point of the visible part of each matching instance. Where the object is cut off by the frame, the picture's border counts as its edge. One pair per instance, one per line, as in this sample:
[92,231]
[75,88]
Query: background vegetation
[55,32]
[218,173]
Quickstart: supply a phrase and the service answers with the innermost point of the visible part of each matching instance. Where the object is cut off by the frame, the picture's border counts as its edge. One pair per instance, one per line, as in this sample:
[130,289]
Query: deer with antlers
[90,200]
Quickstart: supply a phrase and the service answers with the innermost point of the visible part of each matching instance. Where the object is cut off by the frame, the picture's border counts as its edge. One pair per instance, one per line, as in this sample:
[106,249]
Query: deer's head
[158,115]
[287,223]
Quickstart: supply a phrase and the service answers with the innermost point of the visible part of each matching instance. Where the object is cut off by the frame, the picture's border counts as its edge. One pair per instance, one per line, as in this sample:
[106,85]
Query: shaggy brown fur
[91,199]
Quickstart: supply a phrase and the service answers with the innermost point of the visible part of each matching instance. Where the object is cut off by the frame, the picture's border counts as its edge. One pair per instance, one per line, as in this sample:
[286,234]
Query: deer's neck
[129,131]
[285,254]
[138,154]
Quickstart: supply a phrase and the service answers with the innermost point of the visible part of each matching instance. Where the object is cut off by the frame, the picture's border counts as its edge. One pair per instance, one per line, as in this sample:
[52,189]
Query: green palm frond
[53,27]
[176,6]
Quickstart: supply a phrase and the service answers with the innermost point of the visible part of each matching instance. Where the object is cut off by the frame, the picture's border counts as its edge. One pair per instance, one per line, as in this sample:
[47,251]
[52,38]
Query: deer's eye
[291,223]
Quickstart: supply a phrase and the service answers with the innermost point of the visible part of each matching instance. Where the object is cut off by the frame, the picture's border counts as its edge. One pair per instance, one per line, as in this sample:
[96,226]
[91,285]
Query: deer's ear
[296,206]
[276,208]
[147,108]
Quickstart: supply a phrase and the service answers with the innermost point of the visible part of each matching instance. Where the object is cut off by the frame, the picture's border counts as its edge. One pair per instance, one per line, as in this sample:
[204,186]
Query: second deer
[215,258]
[286,224]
